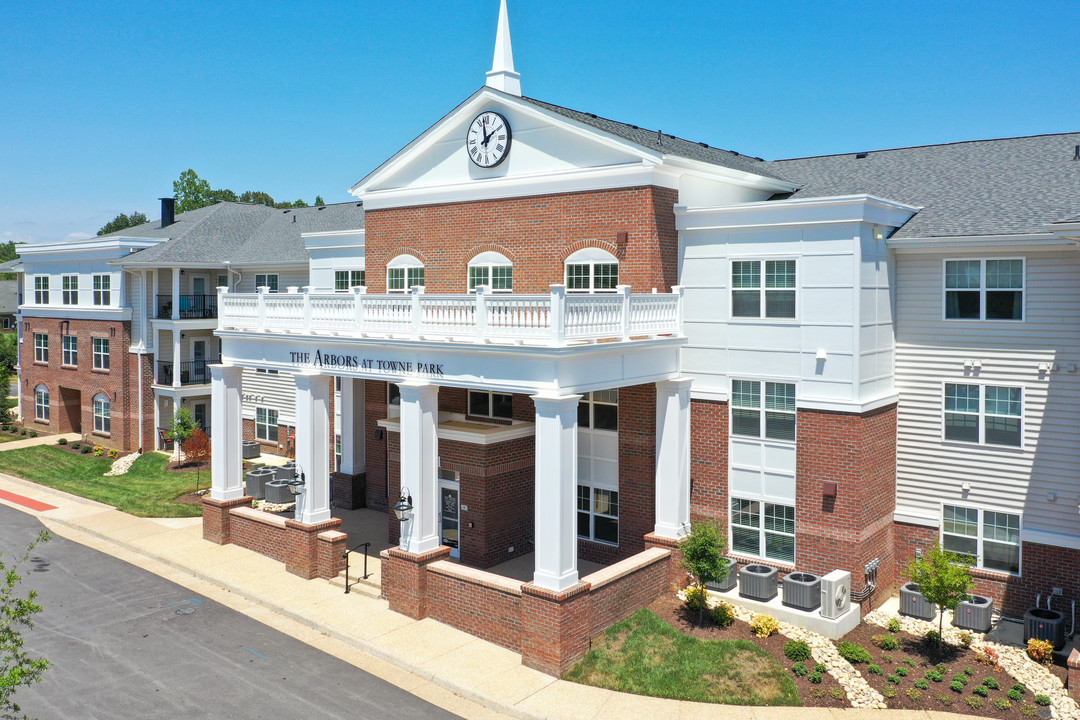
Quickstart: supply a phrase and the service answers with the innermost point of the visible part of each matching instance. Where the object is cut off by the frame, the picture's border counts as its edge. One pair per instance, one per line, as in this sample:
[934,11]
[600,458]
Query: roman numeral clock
[488,140]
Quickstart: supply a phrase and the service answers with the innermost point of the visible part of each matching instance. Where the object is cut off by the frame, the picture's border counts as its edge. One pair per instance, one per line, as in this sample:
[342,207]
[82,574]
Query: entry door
[198,361]
[199,411]
[449,512]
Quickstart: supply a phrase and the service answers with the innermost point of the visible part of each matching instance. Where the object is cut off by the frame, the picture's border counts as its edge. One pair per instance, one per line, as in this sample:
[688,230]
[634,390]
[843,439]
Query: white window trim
[64,352]
[982,291]
[761,419]
[265,437]
[762,317]
[350,277]
[490,404]
[406,263]
[102,417]
[983,384]
[94,342]
[592,257]
[760,529]
[42,348]
[274,287]
[489,260]
[42,293]
[982,509]
[593,514]
[37,406]
[69,293]
[100,293]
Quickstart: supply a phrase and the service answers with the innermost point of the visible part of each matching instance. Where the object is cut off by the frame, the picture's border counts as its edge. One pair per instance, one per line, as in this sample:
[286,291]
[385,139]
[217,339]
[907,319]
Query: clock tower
[502,75]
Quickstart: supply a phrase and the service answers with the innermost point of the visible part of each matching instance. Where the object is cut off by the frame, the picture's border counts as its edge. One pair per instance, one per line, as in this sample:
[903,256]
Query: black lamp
[404,507]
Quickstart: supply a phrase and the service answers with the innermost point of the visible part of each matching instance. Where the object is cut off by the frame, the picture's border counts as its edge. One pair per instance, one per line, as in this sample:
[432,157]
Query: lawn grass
[147,490]
[646,656]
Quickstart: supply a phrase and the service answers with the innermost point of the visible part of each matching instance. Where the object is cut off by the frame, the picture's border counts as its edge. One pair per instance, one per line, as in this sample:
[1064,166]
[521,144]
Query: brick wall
[376,484]
[708,460]
[483,605]
[258,531]
[630,588]
[535,233]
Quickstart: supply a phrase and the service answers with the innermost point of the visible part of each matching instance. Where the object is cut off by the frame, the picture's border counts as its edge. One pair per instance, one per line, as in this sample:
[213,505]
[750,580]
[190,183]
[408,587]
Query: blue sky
[104,104]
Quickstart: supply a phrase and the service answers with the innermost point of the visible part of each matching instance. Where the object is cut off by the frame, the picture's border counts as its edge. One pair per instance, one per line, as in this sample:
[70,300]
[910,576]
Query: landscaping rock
[122,465]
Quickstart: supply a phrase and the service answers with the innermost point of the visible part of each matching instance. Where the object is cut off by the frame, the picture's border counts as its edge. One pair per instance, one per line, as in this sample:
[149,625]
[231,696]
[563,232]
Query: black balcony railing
[192,307]
[192,372]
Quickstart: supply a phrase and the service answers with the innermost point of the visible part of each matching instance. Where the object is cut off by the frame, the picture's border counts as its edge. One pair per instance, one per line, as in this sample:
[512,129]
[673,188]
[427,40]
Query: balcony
[192,372]
[556,319]
[192,307]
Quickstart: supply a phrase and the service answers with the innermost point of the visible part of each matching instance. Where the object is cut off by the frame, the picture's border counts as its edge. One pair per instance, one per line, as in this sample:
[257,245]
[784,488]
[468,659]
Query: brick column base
[404,579]
[215,518]
[302,546]
[330,551]
[679,576]
[1074,674]
[554,627]
[348,491]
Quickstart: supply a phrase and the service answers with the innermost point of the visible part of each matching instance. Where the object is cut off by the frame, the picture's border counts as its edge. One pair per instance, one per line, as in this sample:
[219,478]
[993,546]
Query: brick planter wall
[217,519]
[484,605]
[259,531]
[302,547]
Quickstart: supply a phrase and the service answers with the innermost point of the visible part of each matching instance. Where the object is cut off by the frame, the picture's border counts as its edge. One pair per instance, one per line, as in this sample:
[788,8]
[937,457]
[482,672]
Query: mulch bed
[938,696]
[672,610]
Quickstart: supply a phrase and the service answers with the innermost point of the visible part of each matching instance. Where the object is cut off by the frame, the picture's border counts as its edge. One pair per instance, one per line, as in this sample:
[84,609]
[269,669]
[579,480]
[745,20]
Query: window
[103,289]
[598,514]
[267,281]
[493,270]
[985,414]
[222,281]
[337,453]
[41,403]
[266,425]
[101,353]
[69,285]
[778,290]
[346,279]
[70,350]
[41,348]
[763,529]
[491,404]
[598,467]
[403,272]
[592,270]
[984,289]
[777,422]
[102,412]
[599,410]
[990,538]
[259,370]
[393,394]
[41,289]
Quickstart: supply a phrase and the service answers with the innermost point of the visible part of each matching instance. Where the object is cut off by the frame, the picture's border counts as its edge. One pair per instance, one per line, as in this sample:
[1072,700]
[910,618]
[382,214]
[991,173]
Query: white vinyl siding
[287,277]
[269,390]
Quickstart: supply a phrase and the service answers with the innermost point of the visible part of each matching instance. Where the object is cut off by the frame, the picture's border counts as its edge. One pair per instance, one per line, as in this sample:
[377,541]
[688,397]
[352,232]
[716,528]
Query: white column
[176,358]
[353,439]
[226,461]
[555,527]
[176,293]
[673,458]
[419,464]
[313,444]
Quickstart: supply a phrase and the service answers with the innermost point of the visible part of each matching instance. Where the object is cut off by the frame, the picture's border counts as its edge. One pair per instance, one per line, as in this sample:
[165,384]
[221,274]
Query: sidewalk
[447,667]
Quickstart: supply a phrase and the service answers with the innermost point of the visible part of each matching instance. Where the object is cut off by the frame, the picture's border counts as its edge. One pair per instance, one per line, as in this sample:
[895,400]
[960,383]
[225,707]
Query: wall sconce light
[821,354]
[403,509]
[828,489]
[965,488]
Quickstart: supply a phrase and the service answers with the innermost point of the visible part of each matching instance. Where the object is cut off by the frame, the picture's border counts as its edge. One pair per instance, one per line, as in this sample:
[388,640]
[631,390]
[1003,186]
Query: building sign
[334,361]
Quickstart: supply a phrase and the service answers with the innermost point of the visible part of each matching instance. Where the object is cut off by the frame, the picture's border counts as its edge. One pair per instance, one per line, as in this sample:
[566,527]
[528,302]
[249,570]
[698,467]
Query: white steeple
[502,75]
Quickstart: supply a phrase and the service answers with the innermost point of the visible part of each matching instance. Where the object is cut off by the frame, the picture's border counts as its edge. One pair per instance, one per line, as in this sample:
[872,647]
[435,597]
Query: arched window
[592,270]
[41,403]
[102,411]
[492,269]
[403,272]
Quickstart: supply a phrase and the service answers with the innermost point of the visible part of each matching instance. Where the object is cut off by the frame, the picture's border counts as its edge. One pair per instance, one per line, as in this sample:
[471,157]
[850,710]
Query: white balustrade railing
[552,319]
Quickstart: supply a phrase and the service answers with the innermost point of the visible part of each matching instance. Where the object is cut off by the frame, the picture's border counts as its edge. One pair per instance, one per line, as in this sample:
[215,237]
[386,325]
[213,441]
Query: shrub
[960,678]
[86,449]
[932,637]
[894,625]
[1043,700]
[1015,694]
[968,671]
[799,669]
[922,684]
[965,639]
[934,675]
[33,433]
[887,658]
[1041,651]
[991,683]
[697,598]
[941,668]
[838,694]
[956,686]
[988,656]
[815,678]
[1020,688]
[74,446]
[1029,710]
[98,451]
[914,693]
[853,653]
[23,431]
[114,454]
[1002,703]
[886,642]
[874,669]
[981,690]
[910,662]
[889,692]
[894,679]
[820,668]
[62,441]
[944,699]
[723,615]
[974,702]
[902,671]
[797,650]
[764,626]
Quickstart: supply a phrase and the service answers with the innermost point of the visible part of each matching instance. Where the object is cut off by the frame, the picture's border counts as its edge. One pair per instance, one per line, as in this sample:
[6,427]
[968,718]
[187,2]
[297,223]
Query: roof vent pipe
[1076,153]
[168,211]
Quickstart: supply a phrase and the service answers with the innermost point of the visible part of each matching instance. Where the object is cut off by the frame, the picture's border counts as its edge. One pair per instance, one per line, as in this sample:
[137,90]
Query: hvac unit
[1045,625]
[913,604]
[730,580]
[835,594]
[802,591]
[976,613]
[757,582]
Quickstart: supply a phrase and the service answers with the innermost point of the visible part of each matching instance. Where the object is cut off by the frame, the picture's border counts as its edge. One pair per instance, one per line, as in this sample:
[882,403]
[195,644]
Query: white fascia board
[73,313]
[728,175]
[90,245]
[269,264]
[1029,241]
[133,266]
[810,211]
[1050,538]
[855,408]
[334,239]
[923,520]
[1069,230]
[547,183]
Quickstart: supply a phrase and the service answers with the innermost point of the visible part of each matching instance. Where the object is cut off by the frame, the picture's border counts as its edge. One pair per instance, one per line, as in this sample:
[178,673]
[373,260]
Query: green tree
[257,197]
[703,555]
[183,425]
[943,579]
[17,667]
[9,352]
[224,195]
[8,252]
[319,200]
[191,192]
[122,222]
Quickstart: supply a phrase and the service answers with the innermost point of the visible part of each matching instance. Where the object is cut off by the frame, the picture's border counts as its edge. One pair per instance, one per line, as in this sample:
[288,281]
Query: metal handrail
[346,556]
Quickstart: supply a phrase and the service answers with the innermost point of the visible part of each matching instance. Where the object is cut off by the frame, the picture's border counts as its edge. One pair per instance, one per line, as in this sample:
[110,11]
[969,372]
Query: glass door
[199,373]
[449,511]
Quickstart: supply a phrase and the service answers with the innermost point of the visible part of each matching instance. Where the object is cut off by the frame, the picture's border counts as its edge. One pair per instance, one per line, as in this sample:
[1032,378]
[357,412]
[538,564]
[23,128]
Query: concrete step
[358,585]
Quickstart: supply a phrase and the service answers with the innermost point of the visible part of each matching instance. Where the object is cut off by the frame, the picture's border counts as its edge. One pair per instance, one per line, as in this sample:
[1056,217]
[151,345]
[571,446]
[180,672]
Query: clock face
[488,140]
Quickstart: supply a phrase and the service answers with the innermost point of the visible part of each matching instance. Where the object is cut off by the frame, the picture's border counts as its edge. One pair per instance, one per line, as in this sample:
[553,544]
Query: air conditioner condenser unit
[835,594]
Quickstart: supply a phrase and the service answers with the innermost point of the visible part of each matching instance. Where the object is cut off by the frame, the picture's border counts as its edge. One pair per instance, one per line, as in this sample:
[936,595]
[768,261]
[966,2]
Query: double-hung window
[101,353]
[493,270]
[102,414]
[491,404]
[41,348]
[990,538]
[763,529]
[592,270]
[267,281]
[41,403]
[987,414]
[347,279]
[70,347]
[266,424]
[763,409]
[69,285]
[984,289]
[403,273]
[753,298]
[103,290]
[41,289]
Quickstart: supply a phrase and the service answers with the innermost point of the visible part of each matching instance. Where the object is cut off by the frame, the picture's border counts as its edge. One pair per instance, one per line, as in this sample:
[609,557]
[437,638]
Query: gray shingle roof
[239,233]
[9,296]
[982,187]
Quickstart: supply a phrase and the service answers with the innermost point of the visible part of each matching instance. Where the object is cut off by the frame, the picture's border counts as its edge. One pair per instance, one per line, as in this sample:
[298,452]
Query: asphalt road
[125,643]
